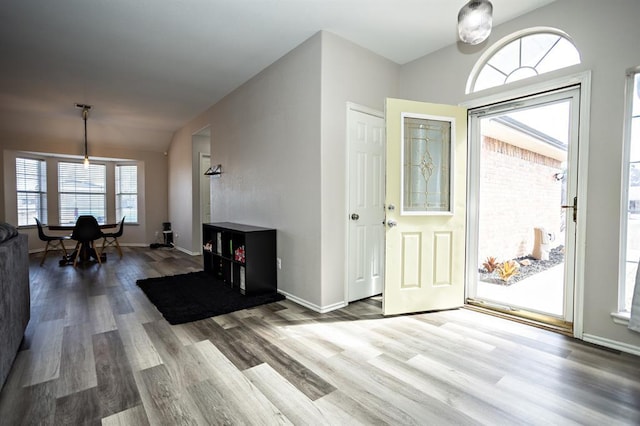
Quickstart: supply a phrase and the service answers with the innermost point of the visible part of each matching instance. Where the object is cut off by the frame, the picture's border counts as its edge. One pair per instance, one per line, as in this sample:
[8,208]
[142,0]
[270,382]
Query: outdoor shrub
[490,264]
[507,269]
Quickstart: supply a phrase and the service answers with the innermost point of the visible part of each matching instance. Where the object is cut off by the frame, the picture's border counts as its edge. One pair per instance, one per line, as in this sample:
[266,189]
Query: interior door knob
[391,223]
[355,216]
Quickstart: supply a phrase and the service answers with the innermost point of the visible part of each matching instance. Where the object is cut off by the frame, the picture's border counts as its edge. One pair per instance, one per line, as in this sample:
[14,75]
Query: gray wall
[349,74]
[266,135]
[180,188]
[606,34]
[280,138]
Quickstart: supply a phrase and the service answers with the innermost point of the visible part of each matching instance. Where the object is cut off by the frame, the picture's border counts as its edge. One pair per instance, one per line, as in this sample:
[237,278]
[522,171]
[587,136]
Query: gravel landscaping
[528,267]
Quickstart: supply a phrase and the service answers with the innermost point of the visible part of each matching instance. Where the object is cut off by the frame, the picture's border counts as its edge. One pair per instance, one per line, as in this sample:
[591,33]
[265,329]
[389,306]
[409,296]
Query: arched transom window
[523,55]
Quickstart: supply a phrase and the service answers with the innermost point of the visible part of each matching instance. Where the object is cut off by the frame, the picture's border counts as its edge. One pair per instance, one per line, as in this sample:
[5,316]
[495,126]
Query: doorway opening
[201,184]
[523,207]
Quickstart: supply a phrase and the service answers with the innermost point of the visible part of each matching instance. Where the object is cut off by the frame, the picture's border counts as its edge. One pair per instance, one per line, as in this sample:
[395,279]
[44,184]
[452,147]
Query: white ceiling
[149,66]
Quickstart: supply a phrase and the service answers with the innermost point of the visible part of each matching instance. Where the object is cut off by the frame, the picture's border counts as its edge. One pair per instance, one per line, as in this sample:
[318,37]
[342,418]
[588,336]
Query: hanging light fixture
[85,115]
[474,21]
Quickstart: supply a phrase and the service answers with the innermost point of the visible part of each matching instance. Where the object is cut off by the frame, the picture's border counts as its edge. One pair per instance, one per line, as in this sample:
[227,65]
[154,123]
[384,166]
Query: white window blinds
[127,193]
[82,191]
[31,189]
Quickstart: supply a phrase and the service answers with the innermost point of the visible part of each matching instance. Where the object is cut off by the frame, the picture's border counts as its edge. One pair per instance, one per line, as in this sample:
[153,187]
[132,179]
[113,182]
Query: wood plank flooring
[98,352]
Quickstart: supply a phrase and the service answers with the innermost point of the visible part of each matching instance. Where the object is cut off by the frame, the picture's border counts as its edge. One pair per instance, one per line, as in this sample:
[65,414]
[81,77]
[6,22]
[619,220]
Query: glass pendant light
[474,21]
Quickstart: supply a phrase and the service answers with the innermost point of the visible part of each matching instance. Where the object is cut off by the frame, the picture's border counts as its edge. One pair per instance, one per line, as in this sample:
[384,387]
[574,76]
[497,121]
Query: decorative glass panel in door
[426,165]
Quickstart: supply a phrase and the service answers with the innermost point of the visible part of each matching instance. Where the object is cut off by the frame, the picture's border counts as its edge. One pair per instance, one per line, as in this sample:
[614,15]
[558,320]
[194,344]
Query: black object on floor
[159,245]
[197,295]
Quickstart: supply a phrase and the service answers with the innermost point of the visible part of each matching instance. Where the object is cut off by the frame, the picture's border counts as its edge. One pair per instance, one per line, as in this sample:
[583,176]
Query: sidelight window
[630,237]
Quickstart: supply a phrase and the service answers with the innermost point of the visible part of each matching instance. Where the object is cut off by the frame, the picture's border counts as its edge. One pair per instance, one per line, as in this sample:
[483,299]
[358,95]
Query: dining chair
[85,232]
[54,242]
[111,238]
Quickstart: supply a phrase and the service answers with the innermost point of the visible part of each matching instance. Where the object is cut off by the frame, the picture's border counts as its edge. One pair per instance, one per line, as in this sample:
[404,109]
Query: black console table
[242,256]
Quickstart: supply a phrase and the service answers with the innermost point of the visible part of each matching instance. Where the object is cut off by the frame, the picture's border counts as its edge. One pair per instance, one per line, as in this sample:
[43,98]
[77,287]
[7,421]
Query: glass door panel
[524,198]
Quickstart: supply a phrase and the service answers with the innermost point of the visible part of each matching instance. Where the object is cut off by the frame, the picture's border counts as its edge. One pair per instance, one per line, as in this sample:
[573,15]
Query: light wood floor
[97,352]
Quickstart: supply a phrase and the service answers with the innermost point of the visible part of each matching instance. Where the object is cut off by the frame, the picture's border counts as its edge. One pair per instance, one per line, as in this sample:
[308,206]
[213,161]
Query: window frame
[78,164]
[505,41]
[42,194]
[630,86]
[118,193]
[445,170]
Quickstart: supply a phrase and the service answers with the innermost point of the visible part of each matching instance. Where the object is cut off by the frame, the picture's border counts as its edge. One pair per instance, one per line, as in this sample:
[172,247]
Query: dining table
[87,253]
[71,226]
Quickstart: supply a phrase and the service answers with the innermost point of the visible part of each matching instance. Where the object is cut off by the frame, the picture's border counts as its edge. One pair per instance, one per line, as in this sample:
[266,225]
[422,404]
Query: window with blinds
[127,193]
[82,191]
[31,189]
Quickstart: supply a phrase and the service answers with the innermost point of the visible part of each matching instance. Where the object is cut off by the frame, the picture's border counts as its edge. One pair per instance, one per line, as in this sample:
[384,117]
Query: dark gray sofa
[14,295]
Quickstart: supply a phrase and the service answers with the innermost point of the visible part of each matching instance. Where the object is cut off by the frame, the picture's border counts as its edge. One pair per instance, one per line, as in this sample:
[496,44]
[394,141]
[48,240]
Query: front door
[425,206]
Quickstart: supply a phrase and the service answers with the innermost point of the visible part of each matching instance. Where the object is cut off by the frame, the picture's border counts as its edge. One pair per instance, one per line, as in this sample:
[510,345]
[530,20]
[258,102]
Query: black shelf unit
[242,256]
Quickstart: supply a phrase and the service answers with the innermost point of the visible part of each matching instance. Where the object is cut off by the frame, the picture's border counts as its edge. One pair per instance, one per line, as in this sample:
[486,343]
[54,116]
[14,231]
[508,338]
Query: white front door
[426,206]
[366,203]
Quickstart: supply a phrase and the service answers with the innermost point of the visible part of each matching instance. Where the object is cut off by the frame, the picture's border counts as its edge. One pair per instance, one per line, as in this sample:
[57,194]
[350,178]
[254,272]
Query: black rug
[197,295]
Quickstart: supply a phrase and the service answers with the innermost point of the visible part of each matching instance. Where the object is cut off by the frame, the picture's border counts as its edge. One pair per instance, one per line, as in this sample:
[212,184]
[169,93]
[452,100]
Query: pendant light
[85,115]
[474,21]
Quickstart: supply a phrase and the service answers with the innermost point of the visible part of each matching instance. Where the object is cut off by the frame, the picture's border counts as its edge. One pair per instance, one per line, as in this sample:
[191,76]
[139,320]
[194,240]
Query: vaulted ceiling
[149,66]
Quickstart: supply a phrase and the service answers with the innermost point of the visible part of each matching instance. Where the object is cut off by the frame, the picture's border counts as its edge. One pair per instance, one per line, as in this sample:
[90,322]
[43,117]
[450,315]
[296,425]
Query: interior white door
[426,206]
[366,204]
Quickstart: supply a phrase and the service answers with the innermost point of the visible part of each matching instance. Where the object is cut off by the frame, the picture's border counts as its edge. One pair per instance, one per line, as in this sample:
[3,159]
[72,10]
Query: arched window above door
[522,55]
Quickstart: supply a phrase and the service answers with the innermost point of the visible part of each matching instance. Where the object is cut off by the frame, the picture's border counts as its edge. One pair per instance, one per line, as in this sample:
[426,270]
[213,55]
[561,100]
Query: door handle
[574,207]
[391,223]
[355,216]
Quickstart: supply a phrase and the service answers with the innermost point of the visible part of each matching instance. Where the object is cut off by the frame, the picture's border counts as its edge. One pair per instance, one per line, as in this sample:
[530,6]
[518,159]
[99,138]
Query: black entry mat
[197,295]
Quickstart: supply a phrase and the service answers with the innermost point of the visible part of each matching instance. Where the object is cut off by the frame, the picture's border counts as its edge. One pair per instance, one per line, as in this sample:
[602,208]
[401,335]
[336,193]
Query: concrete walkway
[542,292]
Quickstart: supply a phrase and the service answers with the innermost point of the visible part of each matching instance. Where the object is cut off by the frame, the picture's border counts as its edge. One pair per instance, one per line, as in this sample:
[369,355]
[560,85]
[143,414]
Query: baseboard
[312,306]
[612,344]
[190,253]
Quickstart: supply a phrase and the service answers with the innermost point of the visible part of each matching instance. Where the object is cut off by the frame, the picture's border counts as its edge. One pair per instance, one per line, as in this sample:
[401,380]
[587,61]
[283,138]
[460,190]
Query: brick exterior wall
[518,192]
